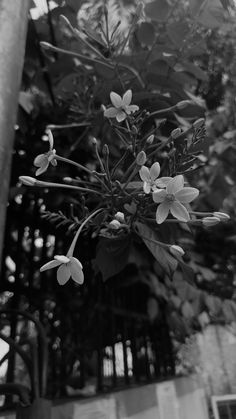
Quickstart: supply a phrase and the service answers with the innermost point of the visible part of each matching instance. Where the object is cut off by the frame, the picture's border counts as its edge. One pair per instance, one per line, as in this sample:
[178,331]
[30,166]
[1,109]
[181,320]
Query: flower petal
[40,159]
[116,100]
[76,270]
[127,97]
[162,212]
[175,184]
[42,168]
[179,211]
[146,187]
[155,171]
[63,274]
[162,182]
[144,173]
[121,116]
[62,258]
[50,265]
[187,195]
[132,108]
[110,112]
[159,196]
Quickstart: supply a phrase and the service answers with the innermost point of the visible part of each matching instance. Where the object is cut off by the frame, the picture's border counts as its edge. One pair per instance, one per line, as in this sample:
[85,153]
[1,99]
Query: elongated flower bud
[176,250]
[183,103]
[141,158]
[221,215]
[199,123]
[175,133]
[28,180]
[105,150]
[150,139]
[210,221]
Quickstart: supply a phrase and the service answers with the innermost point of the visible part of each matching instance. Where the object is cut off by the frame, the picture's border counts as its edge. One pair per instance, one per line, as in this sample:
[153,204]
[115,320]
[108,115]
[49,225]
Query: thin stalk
[60,185]
[73,125]
[72,246]
[73,163]
[46,45]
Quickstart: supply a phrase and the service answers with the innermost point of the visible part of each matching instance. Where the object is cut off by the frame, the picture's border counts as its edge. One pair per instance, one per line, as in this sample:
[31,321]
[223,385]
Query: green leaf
[187,310]
[209,13]
[229,310]
[112,255]
[177,32]
[214,304]
[159,67]
[146,33]
[161,254]
[157,10]
[152,308]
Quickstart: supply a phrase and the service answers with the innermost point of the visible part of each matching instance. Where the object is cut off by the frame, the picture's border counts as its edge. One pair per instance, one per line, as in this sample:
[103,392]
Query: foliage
[161,55]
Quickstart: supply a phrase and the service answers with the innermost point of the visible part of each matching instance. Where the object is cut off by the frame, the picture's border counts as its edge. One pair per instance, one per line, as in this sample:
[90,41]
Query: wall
[182,398]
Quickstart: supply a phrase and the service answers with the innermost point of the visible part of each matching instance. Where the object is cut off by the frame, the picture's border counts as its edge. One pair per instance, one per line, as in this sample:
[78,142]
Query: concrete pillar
[13,28]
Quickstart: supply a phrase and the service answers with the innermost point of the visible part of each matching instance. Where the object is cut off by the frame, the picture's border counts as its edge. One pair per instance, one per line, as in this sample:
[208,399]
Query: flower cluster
[127,203]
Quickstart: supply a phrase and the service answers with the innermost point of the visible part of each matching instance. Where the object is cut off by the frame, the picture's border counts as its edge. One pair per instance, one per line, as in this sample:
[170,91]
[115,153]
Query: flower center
[170,197]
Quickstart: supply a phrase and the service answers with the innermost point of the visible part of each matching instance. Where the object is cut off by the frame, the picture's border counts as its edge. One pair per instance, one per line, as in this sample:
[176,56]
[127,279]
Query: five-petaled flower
[121,106]
[68,266]
[173,200]
[149,178]
[42,160]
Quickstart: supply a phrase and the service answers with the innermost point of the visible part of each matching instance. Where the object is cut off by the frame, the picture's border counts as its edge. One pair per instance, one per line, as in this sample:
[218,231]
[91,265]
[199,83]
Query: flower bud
[199,123]
[150,139]
[93,140]
[210,221]
[182,104]
[28,180]
[114,225]
[175,133]
[141,158]
[176,250]
[221,215]
[105,150]
[119,216]
[45,45]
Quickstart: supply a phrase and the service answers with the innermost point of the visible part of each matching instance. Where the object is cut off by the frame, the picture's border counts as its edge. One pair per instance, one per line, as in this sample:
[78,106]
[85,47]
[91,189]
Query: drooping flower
[149,178]
[42,161]
[121,106]
[173,198]
[68,266]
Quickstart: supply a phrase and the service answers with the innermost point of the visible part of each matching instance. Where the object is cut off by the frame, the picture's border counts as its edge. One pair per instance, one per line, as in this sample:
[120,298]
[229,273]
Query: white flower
[42,160]
[149,178]
[172,199]
[121,107]
[68,266]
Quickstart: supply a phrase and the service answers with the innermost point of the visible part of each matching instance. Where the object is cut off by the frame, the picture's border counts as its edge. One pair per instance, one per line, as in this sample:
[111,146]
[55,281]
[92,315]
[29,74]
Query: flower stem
[80,166]
[60,185]
[72,246]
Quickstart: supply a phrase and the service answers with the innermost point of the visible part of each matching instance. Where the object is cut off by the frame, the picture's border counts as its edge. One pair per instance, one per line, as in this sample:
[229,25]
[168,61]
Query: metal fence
[99,335]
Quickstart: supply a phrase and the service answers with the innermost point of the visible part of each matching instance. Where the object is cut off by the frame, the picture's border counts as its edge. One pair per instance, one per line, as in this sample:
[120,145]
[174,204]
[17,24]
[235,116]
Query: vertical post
[13,28]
